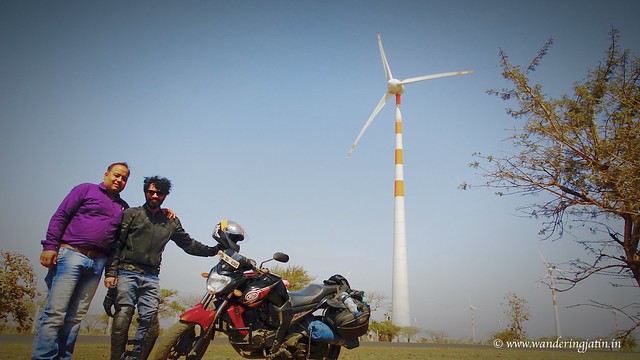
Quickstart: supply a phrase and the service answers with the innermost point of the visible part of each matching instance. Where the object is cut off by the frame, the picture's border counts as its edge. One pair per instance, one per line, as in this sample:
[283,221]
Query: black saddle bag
[345,322]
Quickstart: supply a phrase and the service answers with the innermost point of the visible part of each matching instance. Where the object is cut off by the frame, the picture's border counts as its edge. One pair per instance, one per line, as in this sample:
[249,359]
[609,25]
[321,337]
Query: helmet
[227,233]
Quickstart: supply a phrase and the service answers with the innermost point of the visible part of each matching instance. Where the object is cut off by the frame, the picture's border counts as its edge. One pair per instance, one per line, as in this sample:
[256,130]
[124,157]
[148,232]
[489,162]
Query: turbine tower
[473,322]
[550,269]
[400,315]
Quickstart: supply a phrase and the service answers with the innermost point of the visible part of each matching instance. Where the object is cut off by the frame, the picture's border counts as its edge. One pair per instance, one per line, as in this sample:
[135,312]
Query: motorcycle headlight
[217,282]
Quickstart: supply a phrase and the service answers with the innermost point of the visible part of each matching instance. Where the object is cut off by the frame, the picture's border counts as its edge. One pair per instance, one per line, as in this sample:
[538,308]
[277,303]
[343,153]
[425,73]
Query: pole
[555,305]
[473,326]
[400,297]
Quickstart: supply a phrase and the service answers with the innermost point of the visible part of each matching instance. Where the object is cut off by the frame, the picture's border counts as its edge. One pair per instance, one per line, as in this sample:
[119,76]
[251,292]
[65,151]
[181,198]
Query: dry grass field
[88,350]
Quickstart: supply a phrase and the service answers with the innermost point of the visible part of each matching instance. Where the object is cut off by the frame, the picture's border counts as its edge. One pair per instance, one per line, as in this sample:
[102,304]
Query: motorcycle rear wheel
[179,341]
[334,352]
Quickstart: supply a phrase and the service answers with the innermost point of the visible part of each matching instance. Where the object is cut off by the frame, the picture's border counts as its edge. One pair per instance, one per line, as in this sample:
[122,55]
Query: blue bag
[321,332]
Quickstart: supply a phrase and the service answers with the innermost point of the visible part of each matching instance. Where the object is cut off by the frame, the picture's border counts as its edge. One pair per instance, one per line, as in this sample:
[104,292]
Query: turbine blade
[366,125]
[387,70]
[433,76]
[561,269]
[543,259]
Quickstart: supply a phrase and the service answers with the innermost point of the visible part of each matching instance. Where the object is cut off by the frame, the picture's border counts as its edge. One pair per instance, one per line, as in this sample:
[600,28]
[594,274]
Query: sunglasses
[154,192]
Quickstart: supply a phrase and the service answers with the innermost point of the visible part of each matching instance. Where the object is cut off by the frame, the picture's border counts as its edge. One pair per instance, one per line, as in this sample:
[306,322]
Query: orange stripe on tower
[399,157]
[399,188]
[398,127]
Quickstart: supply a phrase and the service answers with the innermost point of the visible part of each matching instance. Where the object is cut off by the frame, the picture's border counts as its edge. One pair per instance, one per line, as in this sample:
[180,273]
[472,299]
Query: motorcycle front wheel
[179,341]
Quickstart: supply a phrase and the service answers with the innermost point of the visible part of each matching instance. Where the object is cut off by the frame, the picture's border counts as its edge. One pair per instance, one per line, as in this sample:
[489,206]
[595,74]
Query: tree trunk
[631,237]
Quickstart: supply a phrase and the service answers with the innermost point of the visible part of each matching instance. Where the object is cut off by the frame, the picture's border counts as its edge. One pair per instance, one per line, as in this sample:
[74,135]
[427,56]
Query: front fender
[199,315]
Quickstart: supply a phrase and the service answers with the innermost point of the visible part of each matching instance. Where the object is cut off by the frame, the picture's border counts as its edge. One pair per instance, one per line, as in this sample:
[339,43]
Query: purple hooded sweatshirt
[87,218]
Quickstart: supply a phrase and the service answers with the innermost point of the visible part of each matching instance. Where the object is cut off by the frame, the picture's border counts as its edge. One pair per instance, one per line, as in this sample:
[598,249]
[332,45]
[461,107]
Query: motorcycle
[260,317]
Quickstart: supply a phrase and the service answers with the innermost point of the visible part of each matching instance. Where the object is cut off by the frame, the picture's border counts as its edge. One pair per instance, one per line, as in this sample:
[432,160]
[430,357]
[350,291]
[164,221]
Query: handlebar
[236,260]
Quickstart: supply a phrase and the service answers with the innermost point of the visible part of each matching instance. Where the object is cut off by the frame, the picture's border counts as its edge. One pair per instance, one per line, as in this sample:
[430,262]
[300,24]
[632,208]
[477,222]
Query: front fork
[205,318]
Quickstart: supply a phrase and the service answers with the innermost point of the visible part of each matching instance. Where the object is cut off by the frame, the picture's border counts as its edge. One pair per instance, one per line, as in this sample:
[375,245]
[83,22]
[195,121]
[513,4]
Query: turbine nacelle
[394,86]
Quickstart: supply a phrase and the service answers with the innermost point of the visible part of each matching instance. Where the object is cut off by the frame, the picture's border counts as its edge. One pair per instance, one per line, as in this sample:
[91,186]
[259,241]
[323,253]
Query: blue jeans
[143,291]
[72,282]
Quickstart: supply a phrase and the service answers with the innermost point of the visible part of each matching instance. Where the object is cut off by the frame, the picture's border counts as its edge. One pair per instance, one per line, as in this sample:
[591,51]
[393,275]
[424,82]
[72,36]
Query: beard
[153,205]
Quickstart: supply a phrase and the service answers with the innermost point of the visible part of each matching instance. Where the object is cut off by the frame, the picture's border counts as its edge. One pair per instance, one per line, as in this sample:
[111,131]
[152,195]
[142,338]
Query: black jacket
[143,237]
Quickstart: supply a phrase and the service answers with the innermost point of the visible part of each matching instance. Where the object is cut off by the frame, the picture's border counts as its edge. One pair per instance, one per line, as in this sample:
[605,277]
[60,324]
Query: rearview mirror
[281,257]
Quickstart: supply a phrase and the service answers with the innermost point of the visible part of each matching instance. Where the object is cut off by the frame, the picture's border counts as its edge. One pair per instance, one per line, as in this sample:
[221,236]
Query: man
[80,234]
[134,266]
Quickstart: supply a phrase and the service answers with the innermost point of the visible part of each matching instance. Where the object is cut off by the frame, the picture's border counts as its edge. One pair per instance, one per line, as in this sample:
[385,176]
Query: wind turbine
[400,288]
[551,269]
[473,321]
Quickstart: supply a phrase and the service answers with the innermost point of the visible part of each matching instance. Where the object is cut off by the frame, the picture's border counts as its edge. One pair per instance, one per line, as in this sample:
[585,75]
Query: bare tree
[437,336]
[91,322]
[375,300]
[105,321]
[579,155]
[630,312]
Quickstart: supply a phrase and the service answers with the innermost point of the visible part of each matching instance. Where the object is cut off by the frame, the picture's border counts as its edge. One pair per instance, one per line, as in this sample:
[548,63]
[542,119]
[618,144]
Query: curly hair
[161,183]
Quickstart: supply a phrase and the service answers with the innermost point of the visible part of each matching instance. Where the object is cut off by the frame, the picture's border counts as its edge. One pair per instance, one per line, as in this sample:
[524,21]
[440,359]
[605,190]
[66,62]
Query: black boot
[149,339]
[120,331]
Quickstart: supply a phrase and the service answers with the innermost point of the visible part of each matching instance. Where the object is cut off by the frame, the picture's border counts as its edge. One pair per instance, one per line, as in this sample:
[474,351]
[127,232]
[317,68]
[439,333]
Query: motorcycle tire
[178,342]
[334,352]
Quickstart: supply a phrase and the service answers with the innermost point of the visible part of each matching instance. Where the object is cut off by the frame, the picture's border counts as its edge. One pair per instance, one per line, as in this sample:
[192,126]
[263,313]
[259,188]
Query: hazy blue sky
[250,108]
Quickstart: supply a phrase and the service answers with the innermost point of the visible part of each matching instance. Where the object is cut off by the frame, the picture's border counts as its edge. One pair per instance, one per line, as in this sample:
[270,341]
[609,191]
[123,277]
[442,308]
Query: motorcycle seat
[311,294]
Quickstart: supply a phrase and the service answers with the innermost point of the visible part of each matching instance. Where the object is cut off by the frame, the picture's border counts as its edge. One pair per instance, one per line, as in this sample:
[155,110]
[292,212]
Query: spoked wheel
[179,342]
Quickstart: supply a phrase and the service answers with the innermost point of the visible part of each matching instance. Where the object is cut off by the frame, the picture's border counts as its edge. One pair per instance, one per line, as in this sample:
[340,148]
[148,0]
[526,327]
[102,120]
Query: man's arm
[111,268]
[190,245]
[58,224]
[63,215]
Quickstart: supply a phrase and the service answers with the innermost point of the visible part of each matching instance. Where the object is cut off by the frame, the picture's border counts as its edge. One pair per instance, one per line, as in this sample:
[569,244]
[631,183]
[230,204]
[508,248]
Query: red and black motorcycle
[260,317]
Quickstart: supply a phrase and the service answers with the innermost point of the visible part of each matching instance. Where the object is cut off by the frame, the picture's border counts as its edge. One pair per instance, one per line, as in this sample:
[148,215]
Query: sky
[250,108]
